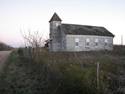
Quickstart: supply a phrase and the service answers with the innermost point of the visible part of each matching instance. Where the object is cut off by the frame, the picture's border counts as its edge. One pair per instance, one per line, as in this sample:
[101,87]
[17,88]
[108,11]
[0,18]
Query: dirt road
[3,57]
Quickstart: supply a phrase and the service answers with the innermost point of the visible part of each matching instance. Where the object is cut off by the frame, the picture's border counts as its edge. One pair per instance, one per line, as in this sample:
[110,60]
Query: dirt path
[3,57]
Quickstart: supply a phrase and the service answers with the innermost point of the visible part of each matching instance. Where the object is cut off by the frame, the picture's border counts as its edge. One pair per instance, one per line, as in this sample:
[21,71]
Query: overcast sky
[33,15]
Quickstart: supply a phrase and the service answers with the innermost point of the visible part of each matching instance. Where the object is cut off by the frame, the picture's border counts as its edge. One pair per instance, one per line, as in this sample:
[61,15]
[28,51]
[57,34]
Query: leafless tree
[33,43]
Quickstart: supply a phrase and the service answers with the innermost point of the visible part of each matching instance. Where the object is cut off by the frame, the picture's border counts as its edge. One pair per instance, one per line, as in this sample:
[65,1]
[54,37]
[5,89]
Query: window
[96,42]
[106,42]
[76,42]
[57,24]
[87,42]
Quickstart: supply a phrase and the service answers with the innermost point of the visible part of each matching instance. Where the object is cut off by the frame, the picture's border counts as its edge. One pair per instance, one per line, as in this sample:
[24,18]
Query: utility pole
[97,72]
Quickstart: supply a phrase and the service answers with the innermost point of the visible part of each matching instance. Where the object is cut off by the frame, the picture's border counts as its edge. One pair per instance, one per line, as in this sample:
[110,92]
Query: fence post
[97,72]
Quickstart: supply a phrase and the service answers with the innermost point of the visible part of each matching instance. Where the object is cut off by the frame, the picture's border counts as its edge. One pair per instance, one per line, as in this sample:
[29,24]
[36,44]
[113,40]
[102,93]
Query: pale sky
[33,15]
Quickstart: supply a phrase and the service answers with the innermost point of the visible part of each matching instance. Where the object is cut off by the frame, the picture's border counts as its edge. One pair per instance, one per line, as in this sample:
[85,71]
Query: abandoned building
[73,37]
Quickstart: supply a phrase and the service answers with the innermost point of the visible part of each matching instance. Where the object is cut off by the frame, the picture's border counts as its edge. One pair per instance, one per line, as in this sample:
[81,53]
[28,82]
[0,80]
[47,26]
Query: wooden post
[121,40]
[98,77]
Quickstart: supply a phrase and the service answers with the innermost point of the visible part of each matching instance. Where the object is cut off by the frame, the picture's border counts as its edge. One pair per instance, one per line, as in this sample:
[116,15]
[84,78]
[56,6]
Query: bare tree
[33,43]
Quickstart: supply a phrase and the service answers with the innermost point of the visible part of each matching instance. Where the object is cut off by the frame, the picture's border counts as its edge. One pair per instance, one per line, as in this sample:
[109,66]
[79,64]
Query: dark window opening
[87,43]
[77,43]
[96,44]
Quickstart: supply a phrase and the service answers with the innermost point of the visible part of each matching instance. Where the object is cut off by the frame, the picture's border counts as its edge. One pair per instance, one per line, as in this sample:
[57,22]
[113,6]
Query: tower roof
[55,17]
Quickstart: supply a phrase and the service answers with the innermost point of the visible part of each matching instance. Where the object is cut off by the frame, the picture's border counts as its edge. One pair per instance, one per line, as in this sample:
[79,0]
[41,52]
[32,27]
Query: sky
[33,15]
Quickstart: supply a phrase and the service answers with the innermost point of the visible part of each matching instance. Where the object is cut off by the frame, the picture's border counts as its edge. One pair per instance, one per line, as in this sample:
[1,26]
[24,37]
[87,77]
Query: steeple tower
[55,22]
[55,17]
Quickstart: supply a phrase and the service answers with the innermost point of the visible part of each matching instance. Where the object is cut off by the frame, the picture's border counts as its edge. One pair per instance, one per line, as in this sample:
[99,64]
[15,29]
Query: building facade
[72,37]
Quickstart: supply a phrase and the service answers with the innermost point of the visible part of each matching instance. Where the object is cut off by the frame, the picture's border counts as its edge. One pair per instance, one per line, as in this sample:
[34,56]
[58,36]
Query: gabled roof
[55,17]
[73,29]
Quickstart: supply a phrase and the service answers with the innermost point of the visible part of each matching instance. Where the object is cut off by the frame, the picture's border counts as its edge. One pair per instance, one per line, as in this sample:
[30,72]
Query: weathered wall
[61,42]
[55,36]
[71,45]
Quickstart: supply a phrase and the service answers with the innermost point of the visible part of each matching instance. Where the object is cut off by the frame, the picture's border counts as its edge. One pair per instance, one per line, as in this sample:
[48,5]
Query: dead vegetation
[64,72]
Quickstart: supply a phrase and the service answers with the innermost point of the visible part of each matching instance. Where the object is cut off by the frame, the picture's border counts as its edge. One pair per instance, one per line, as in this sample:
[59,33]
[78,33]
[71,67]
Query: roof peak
[55,17]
